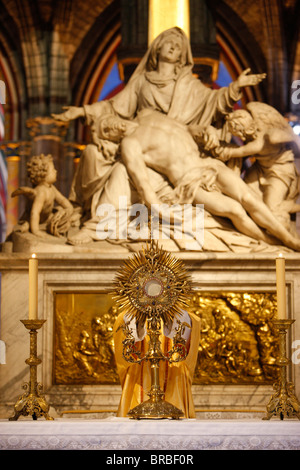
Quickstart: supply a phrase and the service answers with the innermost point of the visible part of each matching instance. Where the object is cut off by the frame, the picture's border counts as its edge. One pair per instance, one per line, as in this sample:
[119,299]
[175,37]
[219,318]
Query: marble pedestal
[69,272]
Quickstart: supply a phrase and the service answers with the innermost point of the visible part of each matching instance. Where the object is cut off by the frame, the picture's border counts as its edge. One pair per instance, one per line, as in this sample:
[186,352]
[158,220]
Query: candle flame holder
[32,402]
[283,403]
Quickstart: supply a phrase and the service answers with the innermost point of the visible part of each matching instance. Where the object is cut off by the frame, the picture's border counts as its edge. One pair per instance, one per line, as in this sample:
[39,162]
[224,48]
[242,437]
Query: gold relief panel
[83,344]
[237,344]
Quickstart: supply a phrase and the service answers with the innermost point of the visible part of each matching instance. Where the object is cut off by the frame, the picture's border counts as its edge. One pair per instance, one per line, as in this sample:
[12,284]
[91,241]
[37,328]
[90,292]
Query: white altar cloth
[127,434]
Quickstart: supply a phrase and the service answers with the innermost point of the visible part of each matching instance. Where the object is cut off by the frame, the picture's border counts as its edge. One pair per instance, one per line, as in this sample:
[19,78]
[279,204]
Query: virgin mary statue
[163,82]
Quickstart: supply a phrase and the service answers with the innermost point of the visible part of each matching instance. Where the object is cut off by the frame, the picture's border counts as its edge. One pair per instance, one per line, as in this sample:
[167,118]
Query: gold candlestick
[32,402]
[283,403]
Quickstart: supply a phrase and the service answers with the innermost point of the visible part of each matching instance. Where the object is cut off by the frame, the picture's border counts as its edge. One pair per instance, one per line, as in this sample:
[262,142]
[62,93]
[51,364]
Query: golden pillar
[167,14]
[12,206]
[16,154]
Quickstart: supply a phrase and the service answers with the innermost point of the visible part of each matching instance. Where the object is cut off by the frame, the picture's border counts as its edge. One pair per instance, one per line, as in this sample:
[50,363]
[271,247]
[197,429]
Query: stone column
[48,138]
[277,77]
[134,32]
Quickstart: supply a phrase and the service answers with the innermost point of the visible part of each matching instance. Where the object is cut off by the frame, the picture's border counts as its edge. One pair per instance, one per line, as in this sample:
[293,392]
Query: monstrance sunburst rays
[152,282]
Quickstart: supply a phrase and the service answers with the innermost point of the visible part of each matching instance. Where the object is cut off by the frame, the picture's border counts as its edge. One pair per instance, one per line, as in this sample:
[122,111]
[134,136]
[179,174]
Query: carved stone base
[29,243]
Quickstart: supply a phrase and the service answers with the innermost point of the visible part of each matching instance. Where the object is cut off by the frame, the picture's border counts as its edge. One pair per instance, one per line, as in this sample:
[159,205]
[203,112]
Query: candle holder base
[283,403]
[32,402]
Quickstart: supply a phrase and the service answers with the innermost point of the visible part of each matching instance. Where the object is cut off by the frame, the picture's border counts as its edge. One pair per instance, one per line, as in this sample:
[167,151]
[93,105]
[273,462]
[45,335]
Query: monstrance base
[151,409]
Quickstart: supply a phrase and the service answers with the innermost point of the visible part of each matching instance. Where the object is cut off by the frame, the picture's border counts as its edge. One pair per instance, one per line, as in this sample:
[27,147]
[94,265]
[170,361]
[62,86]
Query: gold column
[32,402]
[12,205]
[167,14]
[15,153]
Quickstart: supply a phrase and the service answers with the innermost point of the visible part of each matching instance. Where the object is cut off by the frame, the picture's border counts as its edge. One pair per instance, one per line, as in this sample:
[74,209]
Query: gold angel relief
[237,343]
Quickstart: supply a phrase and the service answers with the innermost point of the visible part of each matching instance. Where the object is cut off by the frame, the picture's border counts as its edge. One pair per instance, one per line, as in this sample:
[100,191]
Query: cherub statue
[271,141]
[42,198]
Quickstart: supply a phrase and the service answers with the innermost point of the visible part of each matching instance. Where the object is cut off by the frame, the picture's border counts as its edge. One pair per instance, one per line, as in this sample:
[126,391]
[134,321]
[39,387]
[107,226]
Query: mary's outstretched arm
[70,113]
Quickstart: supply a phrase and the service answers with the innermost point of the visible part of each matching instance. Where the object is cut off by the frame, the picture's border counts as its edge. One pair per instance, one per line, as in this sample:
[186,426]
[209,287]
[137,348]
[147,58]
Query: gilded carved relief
[237,343]
[84,350]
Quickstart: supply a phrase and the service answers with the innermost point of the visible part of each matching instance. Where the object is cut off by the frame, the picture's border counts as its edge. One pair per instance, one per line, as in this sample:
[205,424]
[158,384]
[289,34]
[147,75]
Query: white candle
[33,287]
[281,287]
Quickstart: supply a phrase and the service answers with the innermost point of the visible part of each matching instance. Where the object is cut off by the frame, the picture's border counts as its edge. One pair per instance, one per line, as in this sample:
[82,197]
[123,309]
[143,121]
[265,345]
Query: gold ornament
[32,402]
[283,403]
[152,282]
[152,288]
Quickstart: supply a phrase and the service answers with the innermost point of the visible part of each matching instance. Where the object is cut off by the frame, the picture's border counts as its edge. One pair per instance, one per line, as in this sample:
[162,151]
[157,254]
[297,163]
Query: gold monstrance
[153,287]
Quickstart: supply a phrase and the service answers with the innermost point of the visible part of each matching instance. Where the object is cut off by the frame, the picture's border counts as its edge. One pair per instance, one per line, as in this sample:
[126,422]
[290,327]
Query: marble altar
[116,434]
[81,272]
